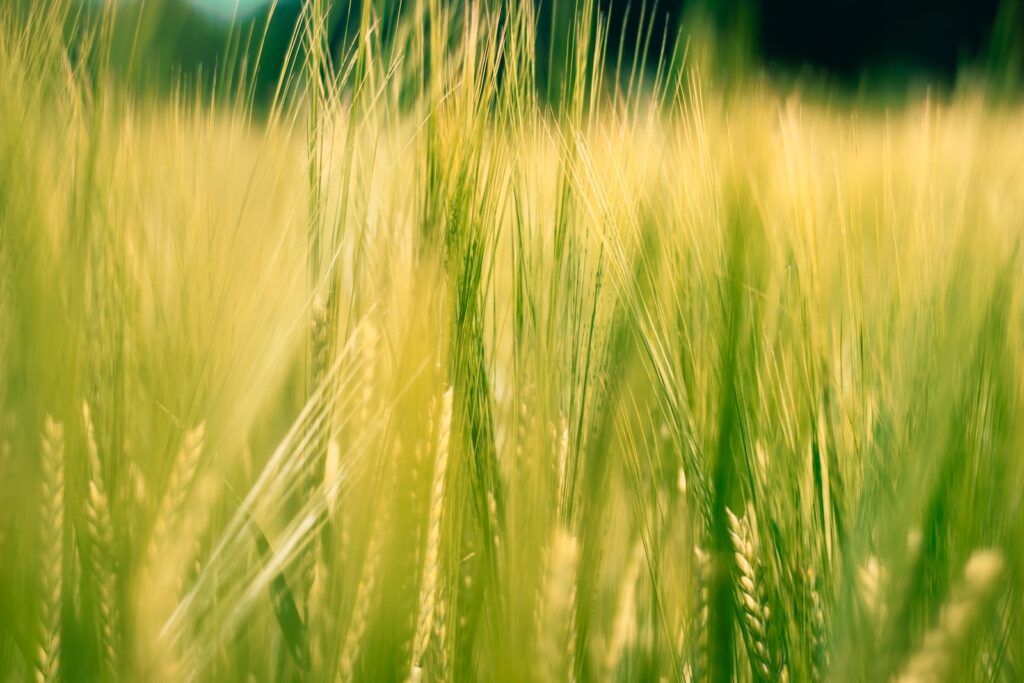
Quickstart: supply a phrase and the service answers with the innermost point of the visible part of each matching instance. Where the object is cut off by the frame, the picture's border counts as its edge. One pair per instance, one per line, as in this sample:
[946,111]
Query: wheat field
[410,375]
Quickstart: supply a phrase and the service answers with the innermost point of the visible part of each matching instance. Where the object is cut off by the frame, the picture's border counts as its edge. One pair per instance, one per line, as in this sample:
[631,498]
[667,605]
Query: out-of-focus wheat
[52,559]
[100,533]
[431,559]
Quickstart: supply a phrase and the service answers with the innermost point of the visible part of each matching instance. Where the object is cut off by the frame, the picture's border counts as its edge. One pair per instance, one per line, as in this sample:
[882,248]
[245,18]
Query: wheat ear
[624,628]
[52,538]
[819,634]
[366,588]
[751,593]
[872,582]
[556,636]
[101,540]
[428,587]
[178,487]
[365,592]
[315,468]
[933,661]
[699,652]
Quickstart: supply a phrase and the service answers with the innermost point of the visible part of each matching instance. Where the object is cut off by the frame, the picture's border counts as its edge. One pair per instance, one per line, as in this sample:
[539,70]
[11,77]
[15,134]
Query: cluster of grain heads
[431,561]
[468,221]
[936,658]
[52,556]
[100,533]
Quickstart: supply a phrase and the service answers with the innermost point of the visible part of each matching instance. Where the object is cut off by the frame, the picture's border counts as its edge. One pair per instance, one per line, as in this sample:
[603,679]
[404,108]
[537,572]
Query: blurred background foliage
[870,49]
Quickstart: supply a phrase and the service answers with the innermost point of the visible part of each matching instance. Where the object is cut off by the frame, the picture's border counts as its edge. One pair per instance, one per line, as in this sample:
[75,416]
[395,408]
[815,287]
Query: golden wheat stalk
[428,587]
[52,538]
[101,541]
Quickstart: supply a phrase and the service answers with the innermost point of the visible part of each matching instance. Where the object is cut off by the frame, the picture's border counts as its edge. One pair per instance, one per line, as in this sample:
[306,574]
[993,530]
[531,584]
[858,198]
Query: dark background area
[842,43]
[846,40]
[846,37]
